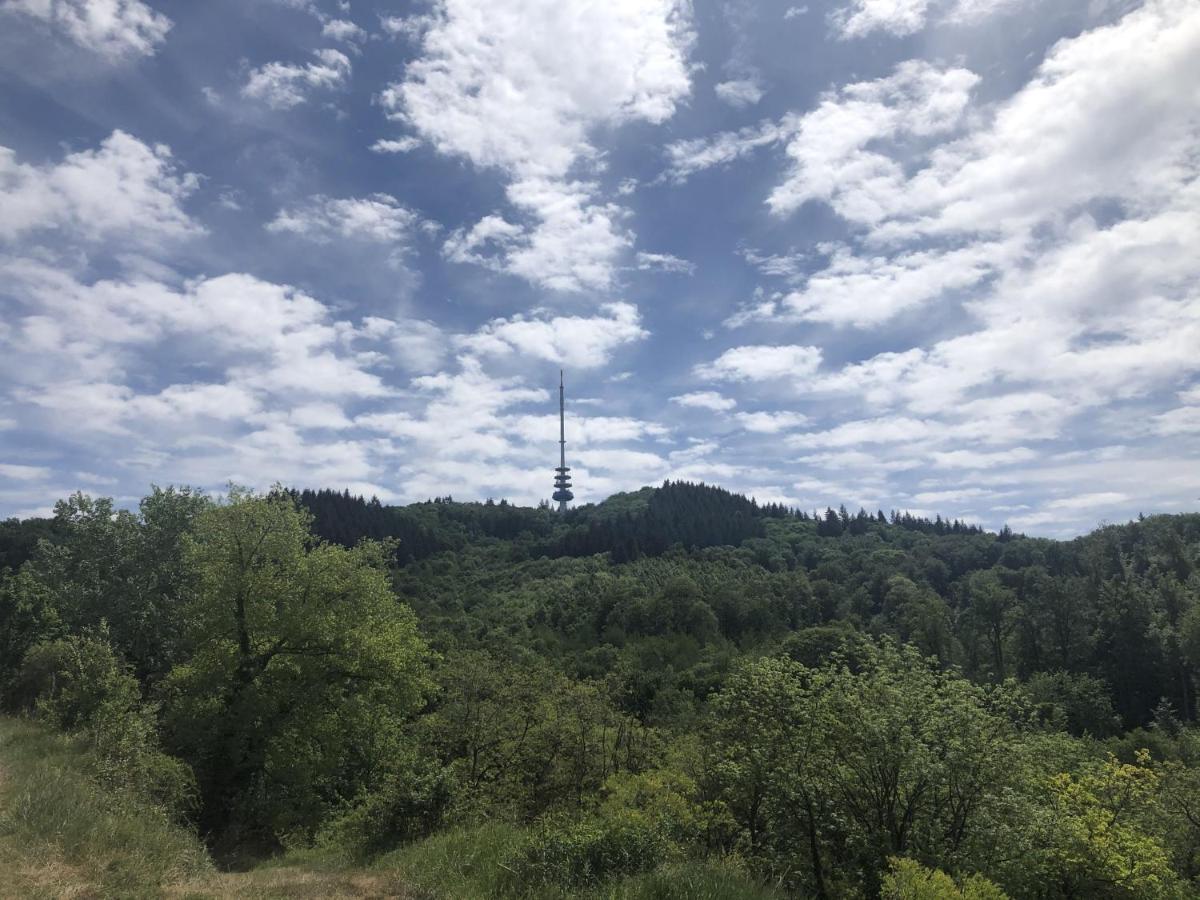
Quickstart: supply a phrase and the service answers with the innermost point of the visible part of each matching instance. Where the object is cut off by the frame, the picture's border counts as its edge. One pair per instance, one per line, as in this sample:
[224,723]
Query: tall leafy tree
[303,667]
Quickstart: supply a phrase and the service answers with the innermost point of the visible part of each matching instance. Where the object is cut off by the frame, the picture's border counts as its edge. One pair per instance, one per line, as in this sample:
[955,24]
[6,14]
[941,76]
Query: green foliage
[1095,837]
[62,833]
[674,693]
[461,861]
[524,739]
[75,681]
[124,569]
[78,684]
[28,616]
[830,770]
[302,671]
[589,852]
[1073,702]
[408,802]
[909,880]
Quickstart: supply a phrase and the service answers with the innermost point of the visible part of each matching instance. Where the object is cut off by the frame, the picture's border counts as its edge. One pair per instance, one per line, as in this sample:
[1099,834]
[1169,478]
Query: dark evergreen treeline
[626,526]
[19,539]
[690,515]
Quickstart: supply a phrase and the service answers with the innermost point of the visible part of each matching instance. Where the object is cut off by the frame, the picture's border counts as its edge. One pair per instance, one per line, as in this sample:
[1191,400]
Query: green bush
[459,862]
[589,851]
[57,821]
[909,880]
[79,685]
[406,804]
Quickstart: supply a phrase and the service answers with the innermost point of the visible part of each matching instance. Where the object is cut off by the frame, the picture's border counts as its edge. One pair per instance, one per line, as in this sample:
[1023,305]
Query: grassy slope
[63,835]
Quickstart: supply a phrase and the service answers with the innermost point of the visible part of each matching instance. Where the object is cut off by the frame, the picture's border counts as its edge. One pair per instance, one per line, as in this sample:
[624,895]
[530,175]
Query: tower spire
[562,481]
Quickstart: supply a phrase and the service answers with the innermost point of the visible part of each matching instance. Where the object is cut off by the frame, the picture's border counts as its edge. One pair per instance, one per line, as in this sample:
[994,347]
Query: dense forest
[826,704]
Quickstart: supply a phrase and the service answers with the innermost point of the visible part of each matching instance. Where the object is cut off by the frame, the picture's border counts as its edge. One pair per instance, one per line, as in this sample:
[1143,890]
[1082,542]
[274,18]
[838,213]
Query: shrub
[909,880]
[407,804]
[64,834]
[589,851]
[79,685]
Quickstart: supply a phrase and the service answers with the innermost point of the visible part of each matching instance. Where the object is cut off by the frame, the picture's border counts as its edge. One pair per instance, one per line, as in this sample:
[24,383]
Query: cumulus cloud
[124,188]
[115,29]
[510,90]
[416,345]
[833,148]
[767,422]
[396,145]
[343,30]
[379,217]
[287,85]
[762,363]
[266,336]
[583,341]
[254,374]
[859,18]
[710,400]
[740,92]
[1064,240]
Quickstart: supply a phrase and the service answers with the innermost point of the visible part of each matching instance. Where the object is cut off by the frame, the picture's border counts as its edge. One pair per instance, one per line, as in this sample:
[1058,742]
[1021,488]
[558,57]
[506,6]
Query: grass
[62,835]
[468,864]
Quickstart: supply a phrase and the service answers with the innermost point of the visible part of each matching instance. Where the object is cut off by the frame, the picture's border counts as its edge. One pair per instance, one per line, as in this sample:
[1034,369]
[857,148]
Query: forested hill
[805,702]
[708,568]
[626,526]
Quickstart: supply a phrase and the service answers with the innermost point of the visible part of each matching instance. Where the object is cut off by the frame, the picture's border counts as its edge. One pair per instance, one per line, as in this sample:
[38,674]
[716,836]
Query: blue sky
[937,255]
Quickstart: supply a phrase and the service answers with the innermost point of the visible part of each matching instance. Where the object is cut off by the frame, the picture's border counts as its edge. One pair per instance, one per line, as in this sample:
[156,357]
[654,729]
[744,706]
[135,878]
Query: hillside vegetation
[675,693]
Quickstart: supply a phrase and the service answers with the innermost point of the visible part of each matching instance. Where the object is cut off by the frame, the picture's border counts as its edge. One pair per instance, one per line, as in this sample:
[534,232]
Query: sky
[929,255]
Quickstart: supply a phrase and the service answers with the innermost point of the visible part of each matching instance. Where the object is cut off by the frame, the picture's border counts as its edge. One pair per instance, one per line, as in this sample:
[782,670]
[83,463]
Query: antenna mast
[562,481]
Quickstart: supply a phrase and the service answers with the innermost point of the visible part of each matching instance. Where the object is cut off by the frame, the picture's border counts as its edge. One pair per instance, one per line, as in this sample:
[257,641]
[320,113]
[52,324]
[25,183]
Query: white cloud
[343,30]
[416,345]
[575,241]
[1089,501]
[977,459]
[1181,420]
[739,93]
[1068,239]
[504,85]
[770,422]
[411,27]
[124,189]
[258,376]
[664,262]
[379,217]
[762,363]
[687,157]
[837,150]
[833,148]
[16,472]
[581,341]
[397,145]
[705,400]
[866,291]
[584,431]
[76,338]
[286,85]
[859,18]
[116,29]
[571,248]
